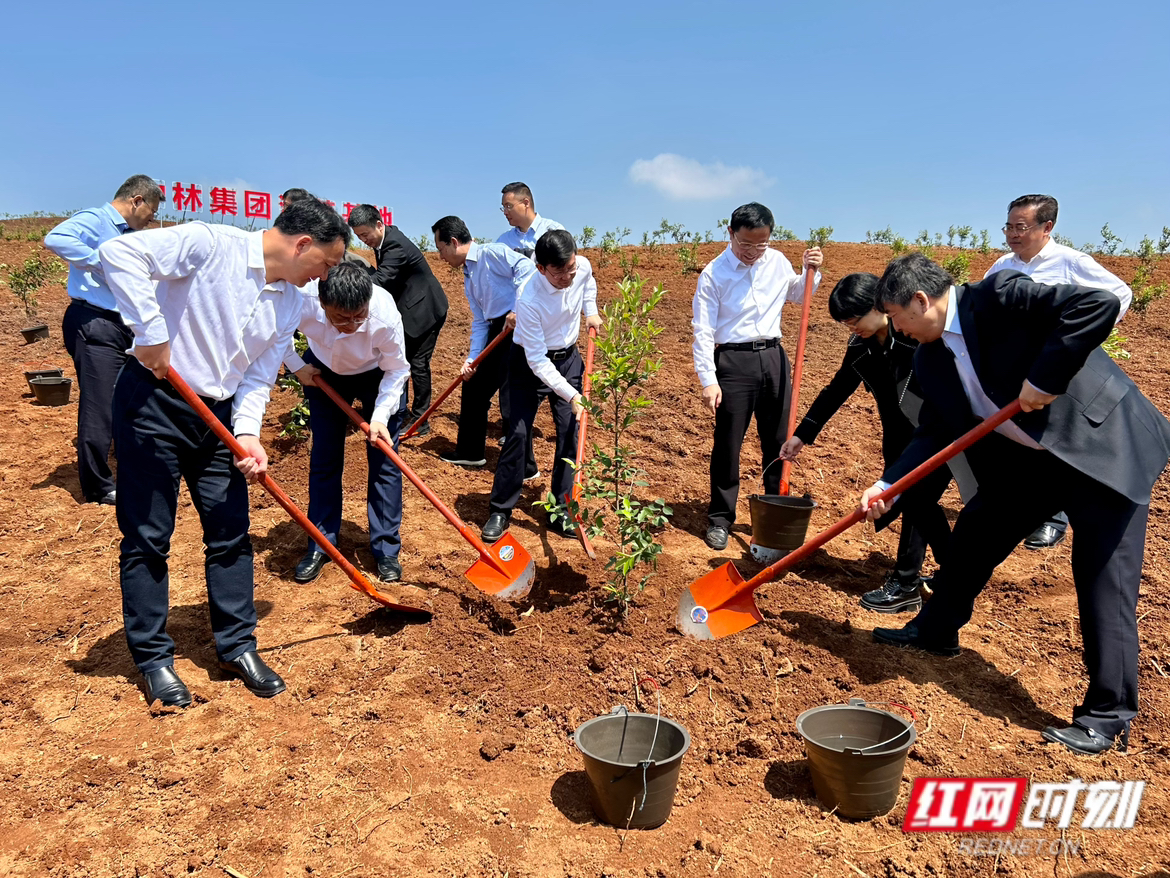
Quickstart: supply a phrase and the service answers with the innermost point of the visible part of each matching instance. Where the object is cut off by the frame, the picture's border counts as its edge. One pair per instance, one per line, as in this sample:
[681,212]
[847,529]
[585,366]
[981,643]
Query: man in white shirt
[492,277]
[545,358]
[221,305]
[1031,219]
[527,225]
[357,345]
[737,353]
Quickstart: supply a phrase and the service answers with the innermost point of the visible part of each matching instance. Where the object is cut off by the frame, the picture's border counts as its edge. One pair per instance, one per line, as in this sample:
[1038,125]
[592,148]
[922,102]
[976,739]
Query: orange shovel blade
[713,607]
[518,570]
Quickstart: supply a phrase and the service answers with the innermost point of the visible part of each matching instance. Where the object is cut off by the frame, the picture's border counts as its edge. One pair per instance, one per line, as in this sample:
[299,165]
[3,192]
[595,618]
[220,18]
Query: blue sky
[857,115]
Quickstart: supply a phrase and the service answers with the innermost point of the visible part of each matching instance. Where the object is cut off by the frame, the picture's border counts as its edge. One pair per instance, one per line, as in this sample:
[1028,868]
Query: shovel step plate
[706,613]
[519,570]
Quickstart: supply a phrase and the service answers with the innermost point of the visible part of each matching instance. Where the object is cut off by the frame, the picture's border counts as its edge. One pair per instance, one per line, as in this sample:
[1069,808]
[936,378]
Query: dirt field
[444,748]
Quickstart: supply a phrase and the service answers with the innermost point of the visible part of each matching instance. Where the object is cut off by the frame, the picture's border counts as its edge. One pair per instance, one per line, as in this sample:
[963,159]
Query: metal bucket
[633,762]
[856,755]
[779,524]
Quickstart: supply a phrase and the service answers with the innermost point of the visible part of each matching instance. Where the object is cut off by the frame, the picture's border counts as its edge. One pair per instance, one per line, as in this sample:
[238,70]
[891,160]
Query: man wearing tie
[1088,442]
[94,333]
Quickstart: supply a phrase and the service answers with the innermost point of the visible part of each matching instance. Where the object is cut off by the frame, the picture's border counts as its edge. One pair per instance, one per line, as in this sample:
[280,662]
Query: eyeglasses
[1018,228]
[750,248]
[354,321]
[511,206]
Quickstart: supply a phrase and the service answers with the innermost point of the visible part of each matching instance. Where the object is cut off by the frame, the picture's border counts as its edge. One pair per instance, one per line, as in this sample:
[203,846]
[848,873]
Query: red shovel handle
[575,491]
[359,582]
[914,476]
[458,380]
[387,449]
[798,369]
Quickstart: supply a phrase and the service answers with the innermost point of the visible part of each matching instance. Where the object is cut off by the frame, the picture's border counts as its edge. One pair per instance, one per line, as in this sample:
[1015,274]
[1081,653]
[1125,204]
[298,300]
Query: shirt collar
[737,264]
[952,325]
[473,252]
[116,218]
[1046,250]
[256,249]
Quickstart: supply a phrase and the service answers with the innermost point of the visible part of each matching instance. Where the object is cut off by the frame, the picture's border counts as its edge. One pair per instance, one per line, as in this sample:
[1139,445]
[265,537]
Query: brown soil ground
[445,748]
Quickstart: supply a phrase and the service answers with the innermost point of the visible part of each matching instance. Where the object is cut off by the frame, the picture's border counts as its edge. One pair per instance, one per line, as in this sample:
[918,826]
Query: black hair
[1046,207]
[555,248]
[140,186]
[908,274]
[347,286]
[520,189]
[451,228]
[752,215]
[292,196]
[364,215]
[854,296]
[313,218]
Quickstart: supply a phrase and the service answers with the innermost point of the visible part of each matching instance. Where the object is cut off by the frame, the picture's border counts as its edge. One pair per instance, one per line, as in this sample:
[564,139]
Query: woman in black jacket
[882,359]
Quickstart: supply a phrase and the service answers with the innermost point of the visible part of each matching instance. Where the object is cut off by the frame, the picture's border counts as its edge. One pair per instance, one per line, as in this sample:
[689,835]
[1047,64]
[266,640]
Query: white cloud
[687,179]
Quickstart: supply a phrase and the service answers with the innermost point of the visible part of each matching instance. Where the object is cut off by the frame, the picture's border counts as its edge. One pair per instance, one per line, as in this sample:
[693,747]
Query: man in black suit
[403,271]
[1087,442]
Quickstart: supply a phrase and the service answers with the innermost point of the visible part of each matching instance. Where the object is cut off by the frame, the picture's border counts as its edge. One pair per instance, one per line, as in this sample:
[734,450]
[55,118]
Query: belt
[562,354]
[758,345]
[105,312]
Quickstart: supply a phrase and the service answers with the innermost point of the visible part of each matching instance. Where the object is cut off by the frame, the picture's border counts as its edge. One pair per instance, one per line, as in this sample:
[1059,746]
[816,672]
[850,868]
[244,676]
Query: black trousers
[328,425]
[753,383]
[1108,547]
[97,340]
[924,523]
[525,391]
[166,440]
[419,350]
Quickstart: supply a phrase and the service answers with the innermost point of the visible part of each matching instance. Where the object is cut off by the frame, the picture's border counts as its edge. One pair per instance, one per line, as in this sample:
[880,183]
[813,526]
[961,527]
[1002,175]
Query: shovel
[357,581]
[505,570]
[722,602]
[458,380]
[575,492]
[797,371]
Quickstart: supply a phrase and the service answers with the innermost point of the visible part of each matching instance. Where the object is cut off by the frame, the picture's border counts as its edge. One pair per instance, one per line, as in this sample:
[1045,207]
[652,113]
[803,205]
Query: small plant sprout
[588,236]
[818,237]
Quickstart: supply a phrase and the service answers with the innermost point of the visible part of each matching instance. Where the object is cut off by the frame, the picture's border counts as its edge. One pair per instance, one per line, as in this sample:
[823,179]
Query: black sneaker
[894,597]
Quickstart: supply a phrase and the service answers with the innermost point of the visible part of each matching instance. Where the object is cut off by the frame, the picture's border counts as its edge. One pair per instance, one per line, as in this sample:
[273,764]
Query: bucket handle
[646,763]
[861,702]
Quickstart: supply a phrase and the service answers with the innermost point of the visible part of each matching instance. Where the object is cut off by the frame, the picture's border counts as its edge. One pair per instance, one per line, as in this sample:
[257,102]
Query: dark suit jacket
[1015,328]
[403,272]
[887,370]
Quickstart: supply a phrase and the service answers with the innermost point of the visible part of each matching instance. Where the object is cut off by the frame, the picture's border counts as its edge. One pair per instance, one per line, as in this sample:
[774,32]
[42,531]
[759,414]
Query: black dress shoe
[424,430]
[562,526]
[716,537]
[258,677]
[110,499]
[1084,741]
[1044,537]
[910,636]
[494,528]
[895,596]
[309,567]
[389,570]
[163,684]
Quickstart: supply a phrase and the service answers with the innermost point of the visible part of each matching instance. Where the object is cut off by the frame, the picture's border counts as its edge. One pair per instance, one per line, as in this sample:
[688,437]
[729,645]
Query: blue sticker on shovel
[699,615]
[507,553]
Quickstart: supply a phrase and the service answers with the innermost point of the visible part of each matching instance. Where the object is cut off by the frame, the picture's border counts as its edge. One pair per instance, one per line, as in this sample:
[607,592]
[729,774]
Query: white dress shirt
[228,327]
[379,343]
[525,242]
[981,405]
[492,277]
[1058,264]
[548,319]
[735,302]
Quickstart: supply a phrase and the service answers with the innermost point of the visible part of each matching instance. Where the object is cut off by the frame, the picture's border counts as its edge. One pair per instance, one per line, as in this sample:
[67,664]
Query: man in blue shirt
[94,333]
[492,277]
[527,225]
